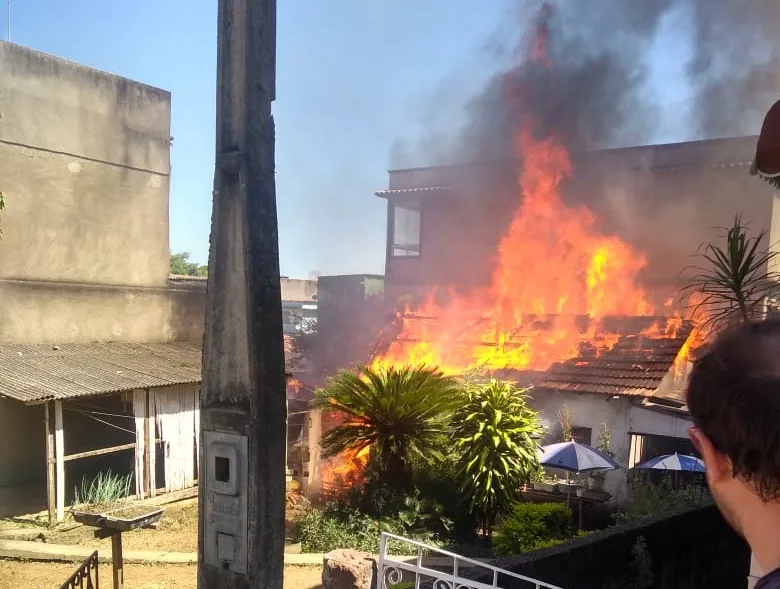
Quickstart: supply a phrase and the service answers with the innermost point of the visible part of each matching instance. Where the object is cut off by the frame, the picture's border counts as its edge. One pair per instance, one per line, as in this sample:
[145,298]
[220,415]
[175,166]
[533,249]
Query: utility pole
[242,405]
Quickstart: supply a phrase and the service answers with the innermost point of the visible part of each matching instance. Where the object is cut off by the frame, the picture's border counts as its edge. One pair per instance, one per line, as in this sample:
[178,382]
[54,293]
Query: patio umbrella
[576,457]
[677,462]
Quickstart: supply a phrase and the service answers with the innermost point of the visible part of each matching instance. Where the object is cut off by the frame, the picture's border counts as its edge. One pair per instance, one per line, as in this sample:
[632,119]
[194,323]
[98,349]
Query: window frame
[409,205]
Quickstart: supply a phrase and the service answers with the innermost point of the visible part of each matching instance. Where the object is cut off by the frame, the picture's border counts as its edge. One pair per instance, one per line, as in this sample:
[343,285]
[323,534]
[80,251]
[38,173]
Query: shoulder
[770,581]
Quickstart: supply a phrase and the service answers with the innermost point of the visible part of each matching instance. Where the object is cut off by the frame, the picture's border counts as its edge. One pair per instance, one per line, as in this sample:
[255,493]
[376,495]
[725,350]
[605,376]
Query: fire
[343,471]
[556,277]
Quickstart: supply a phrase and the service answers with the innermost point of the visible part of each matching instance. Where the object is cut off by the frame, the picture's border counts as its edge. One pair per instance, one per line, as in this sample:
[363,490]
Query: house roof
[635,366]
[35,373]
[730,152]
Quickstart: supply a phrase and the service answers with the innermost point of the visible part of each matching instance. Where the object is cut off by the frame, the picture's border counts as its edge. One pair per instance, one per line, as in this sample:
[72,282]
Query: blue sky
[354,76]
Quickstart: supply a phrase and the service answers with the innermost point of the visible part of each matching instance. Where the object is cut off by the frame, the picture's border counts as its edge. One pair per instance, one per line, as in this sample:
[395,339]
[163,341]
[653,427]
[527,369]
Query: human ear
[718,464]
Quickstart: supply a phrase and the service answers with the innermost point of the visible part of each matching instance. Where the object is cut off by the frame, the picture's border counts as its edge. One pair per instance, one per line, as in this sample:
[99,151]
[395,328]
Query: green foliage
[494,433]
[439,481]
[605,440]
[531,526]
[566,421]
[395,412]
[648,500]
[180,265]
[733,279]
[103,489]
[640,569]
[338,526]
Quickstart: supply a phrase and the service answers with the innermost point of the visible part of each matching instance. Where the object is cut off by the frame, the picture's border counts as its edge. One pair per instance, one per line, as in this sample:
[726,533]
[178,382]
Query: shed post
[50,464]
[59,459]
[147,449]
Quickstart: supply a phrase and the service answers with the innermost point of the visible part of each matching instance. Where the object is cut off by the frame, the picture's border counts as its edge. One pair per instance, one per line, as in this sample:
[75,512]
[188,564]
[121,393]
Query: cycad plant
[734,281]
[495,433]
[395,412]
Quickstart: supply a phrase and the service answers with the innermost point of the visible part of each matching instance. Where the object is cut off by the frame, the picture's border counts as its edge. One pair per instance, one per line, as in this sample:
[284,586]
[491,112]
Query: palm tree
[735,281]
[394,412]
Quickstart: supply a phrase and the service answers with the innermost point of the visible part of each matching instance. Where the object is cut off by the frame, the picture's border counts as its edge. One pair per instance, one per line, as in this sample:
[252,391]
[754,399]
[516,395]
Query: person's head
[734,400]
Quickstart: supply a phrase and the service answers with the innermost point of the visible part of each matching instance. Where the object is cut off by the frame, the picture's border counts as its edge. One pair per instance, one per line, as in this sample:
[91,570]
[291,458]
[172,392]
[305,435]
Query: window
[582,435]
[405,230]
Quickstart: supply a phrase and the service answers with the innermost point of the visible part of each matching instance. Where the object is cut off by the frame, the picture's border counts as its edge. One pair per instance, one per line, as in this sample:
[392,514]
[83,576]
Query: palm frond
[733,280]
[396,412]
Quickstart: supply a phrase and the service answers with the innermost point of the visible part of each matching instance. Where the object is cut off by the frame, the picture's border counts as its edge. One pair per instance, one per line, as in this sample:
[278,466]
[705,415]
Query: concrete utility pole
[243,410]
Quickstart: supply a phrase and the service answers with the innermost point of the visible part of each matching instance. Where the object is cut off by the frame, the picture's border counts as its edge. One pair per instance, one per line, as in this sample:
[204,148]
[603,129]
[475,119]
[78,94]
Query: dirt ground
[177,532]
[39,575]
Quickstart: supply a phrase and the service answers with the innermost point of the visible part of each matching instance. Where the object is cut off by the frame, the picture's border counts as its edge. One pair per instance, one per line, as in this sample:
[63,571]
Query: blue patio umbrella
[575,457]
[676,462]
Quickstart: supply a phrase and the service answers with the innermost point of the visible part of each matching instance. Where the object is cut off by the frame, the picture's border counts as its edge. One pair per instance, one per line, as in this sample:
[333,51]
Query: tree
[495,432]
[734,281]
[181,266]
[394,412]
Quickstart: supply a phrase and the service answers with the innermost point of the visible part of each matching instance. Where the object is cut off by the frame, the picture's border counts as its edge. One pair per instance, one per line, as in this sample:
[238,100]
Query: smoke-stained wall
[664,200]
[583,75]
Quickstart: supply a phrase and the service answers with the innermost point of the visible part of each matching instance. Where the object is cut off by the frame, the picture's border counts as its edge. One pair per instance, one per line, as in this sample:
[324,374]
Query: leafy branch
[733,282]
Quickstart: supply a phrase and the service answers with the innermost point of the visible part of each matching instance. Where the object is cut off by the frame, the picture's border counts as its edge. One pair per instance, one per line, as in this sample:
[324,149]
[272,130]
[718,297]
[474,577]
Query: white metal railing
[398,571]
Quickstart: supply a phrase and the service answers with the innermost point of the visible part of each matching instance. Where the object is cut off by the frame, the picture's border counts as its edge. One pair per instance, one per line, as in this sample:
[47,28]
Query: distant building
[299,305]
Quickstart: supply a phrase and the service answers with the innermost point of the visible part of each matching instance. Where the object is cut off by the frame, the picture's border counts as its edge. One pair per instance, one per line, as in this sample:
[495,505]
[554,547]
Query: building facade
[99,350]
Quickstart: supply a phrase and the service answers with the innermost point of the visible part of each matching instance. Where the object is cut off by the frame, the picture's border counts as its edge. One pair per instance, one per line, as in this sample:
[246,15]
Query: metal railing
[86,576]
[395,571]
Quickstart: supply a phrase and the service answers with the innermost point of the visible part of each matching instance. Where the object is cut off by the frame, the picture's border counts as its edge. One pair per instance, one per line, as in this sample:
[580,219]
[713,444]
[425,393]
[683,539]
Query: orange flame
[343,471]
[554,268]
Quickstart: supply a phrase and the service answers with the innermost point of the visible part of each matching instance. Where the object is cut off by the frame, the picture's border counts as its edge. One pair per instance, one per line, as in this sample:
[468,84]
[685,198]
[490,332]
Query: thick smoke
[596,93]
[735,65]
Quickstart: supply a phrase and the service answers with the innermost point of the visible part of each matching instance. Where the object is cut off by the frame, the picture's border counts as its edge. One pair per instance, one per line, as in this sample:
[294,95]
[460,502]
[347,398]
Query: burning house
[571,298]
[556,263]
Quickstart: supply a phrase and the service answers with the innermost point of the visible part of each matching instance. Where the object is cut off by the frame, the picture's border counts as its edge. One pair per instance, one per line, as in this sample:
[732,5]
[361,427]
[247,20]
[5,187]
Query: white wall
[622,415]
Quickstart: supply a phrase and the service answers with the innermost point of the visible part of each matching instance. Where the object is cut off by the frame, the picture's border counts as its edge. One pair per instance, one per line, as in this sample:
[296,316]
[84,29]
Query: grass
[105,489]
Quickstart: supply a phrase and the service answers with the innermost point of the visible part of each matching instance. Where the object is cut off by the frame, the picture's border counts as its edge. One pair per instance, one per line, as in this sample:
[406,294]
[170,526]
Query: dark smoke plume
[735,65]
[596,95]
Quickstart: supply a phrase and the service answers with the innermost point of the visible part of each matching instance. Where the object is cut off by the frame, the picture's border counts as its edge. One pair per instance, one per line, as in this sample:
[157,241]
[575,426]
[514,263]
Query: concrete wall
[622,416]
[41,312]
[298,289]
[84,166]
[687,199]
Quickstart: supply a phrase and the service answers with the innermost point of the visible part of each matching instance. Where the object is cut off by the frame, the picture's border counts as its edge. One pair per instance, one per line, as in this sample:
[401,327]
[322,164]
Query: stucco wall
[84,166]
[621,415]
[41,312]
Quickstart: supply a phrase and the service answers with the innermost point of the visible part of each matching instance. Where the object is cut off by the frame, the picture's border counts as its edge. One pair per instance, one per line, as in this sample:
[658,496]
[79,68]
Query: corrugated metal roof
[33,373]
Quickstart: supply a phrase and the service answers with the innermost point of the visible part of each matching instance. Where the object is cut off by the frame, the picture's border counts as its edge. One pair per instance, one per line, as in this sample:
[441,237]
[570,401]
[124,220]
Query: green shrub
[639,573]
[339,526]
[648,500]
[439,482]
[531,526]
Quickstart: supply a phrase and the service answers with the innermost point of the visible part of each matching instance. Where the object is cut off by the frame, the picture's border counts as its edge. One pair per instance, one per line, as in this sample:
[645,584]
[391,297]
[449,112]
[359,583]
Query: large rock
[348,569]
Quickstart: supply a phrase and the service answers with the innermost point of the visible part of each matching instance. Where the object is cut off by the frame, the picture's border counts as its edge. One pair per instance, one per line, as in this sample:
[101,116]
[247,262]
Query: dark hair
[734,399]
